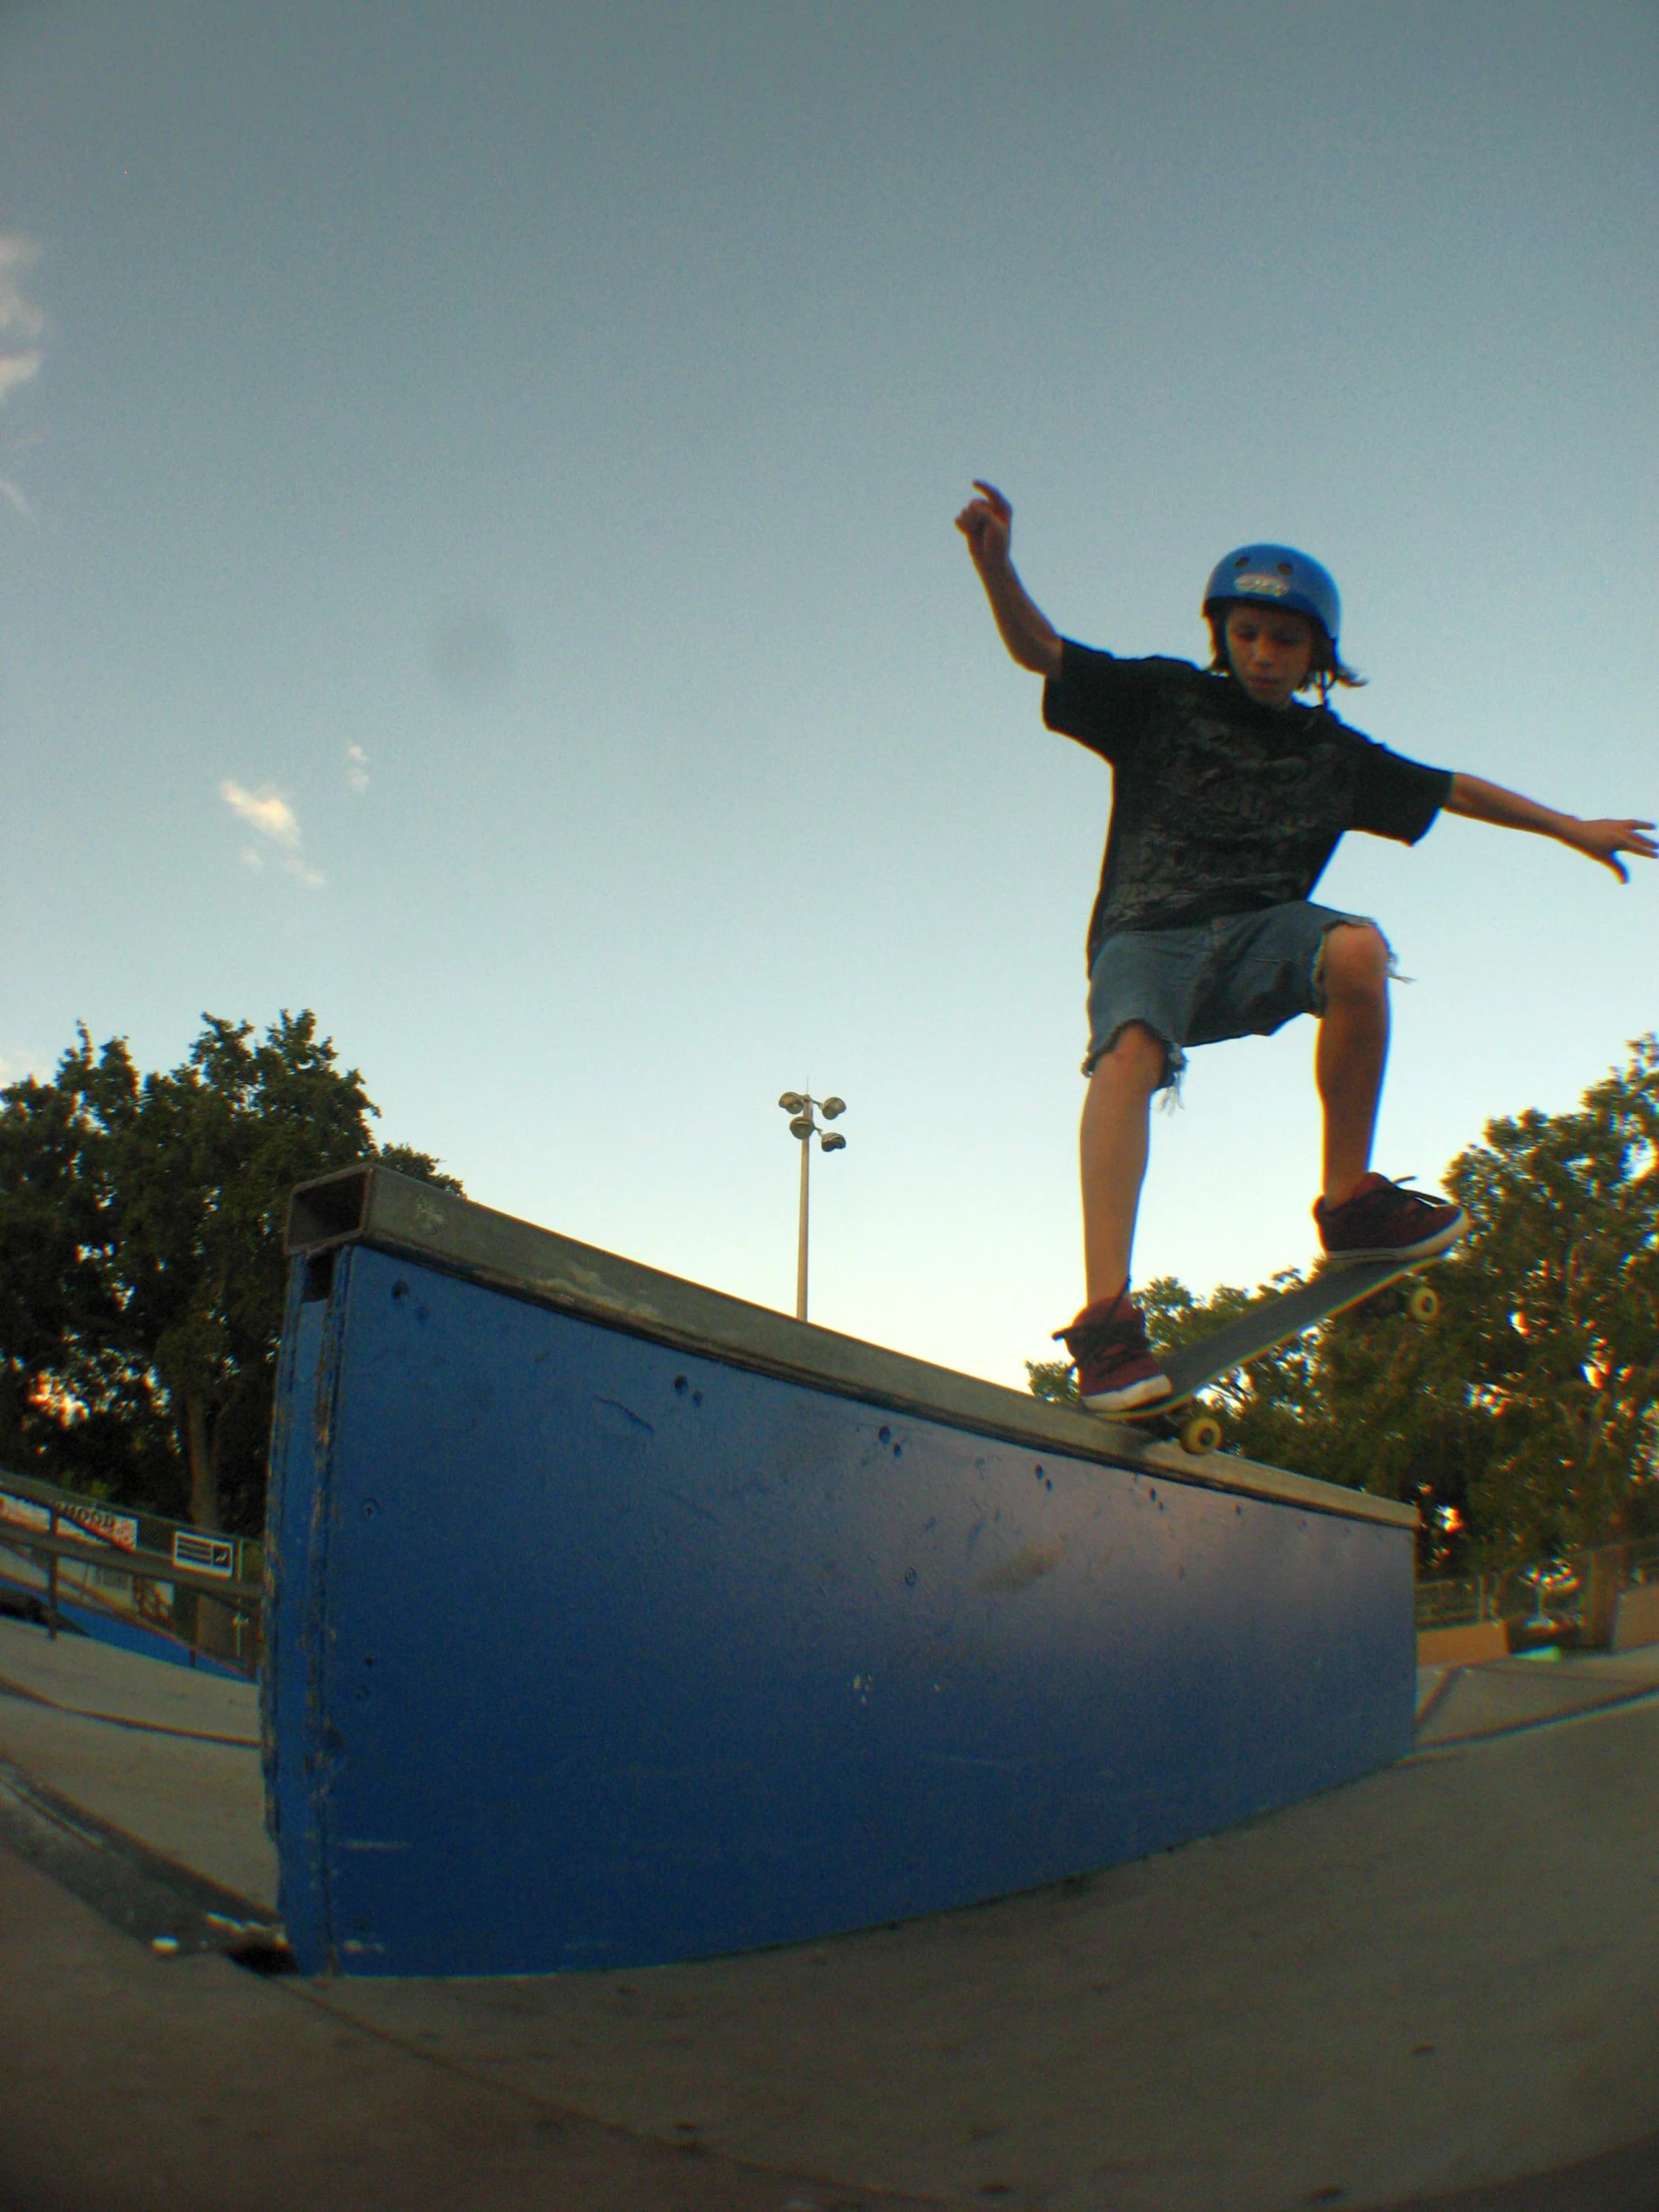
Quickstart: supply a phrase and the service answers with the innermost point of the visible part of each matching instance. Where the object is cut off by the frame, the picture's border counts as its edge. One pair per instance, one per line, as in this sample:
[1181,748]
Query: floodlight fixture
[802,1109]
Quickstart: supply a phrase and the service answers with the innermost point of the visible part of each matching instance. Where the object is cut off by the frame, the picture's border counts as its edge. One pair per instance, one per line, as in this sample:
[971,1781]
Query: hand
[988,524]
[1603,840]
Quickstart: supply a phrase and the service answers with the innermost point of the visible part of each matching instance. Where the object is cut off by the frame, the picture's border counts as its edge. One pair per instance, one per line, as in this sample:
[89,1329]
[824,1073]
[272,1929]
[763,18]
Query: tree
[142,1274]
[1560,1317]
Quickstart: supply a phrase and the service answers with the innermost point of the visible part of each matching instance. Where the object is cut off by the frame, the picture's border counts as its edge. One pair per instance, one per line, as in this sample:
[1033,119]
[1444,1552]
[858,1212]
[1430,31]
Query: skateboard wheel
[1422,1303]
[1201,1433]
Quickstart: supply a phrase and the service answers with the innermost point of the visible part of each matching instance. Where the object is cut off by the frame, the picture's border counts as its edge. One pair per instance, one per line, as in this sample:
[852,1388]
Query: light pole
[799,1106]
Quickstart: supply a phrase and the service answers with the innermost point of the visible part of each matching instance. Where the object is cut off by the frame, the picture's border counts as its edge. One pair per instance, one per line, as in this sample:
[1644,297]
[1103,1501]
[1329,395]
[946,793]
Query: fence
[63,1554]
[1569,1600]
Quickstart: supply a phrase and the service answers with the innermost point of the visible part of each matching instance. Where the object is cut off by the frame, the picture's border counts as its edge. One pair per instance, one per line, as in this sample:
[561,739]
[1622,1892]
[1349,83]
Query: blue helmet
[1277,576]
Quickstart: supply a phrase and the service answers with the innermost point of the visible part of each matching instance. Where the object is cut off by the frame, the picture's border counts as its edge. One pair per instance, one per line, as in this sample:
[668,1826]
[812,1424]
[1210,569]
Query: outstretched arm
[1598,840]
[987,523]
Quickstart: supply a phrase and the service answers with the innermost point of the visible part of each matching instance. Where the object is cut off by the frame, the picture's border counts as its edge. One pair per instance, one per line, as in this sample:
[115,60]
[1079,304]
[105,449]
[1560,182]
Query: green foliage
[1054,1380]
[142,1274]
[1525,1421]
[1562,1320]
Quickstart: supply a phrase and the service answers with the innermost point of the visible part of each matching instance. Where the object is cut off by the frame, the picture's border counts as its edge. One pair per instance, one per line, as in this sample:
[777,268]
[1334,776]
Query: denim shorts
[1243,975]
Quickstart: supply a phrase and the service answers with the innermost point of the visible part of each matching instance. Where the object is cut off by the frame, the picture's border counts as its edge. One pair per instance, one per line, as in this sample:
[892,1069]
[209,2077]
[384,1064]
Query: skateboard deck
[1264,1325]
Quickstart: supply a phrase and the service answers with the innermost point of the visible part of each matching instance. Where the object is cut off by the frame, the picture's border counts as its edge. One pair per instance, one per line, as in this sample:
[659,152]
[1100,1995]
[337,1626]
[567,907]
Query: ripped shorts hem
[1175,1059]
[1316,979]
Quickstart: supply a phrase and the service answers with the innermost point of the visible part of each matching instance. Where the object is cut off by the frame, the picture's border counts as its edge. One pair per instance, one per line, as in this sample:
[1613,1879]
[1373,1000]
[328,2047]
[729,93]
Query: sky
[476,560]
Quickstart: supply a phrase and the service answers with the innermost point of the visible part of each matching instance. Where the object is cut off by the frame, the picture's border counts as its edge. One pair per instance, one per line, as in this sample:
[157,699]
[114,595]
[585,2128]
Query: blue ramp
[614,1621]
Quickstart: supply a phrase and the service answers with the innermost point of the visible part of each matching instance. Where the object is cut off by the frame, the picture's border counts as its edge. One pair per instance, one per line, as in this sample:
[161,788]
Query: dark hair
[1325,669]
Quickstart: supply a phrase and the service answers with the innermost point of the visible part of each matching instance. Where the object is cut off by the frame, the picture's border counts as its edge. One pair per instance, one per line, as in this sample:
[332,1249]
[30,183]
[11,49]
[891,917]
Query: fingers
[1626,837]
[984,523]
[1603,839]
[1629,837]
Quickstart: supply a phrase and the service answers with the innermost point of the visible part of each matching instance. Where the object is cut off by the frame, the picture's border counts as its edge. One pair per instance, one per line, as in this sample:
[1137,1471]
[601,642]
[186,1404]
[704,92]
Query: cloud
[18,368]
[17,256]
[22,324]
[356,767]
[268,812]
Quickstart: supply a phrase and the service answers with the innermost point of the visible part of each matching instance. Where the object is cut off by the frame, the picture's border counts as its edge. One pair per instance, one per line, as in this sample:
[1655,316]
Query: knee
[1137,1056]
[1356,963]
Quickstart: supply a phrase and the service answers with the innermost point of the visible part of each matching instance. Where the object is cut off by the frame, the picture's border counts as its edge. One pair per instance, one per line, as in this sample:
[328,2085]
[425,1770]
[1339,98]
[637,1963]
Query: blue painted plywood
[293,1725]
[592,1652]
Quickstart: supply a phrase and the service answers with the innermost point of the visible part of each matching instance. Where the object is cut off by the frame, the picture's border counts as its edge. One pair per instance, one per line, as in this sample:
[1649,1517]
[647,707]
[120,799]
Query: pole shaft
[801,1244]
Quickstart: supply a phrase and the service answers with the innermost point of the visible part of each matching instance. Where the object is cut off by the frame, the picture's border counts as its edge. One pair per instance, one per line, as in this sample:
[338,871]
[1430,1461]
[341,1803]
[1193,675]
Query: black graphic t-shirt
[1221,805]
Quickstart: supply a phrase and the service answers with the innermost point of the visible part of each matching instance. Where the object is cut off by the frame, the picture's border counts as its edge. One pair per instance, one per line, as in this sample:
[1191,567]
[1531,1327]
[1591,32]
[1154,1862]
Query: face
[1271,651]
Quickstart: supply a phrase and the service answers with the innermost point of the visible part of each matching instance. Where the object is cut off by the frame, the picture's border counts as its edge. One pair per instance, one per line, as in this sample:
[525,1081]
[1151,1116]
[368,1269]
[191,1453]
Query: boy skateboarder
[1229,797]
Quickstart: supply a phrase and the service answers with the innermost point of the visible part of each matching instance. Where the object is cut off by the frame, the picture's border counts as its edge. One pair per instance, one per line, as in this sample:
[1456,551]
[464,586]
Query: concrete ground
[1425,1987]
[165,1753]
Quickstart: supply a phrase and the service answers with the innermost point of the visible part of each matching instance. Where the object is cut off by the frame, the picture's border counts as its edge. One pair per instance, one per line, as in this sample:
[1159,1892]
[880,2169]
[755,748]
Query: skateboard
[1263,1325]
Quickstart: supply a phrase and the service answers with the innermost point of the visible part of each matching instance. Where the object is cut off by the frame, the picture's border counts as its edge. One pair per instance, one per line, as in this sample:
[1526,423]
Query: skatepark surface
[1439,1985]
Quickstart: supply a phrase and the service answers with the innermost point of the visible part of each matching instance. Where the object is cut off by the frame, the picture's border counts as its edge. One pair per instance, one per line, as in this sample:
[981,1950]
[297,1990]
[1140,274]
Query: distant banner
[92,1520]
[83,1521]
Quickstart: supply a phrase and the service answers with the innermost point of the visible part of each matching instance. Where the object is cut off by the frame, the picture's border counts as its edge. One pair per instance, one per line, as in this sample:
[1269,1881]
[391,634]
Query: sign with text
[72,1521]
[108,1528]
[203,1555]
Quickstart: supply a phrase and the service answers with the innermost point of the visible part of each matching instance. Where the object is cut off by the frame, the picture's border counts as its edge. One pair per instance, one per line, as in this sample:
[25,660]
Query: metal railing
[190,1587]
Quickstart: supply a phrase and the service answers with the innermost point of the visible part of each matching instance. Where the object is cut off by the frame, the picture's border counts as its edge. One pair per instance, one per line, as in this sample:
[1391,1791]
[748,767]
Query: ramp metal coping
[397,1214]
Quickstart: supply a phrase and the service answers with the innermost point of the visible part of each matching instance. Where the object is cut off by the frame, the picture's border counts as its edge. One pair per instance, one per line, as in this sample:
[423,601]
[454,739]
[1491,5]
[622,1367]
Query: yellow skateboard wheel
[1422,1303]
[1201,1432]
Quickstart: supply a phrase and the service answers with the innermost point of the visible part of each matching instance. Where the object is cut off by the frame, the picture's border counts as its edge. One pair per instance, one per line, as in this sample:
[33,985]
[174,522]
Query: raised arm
[1598,840]
[987,523]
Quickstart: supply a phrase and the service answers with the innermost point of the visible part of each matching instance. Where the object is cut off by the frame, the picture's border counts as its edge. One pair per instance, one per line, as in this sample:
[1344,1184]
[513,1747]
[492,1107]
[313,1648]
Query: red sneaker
[1116,1367]
[1382,1220]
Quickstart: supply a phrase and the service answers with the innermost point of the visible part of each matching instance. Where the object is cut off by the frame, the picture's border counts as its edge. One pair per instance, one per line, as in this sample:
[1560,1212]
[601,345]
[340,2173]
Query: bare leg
[1112,1149]
[1352,1052]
